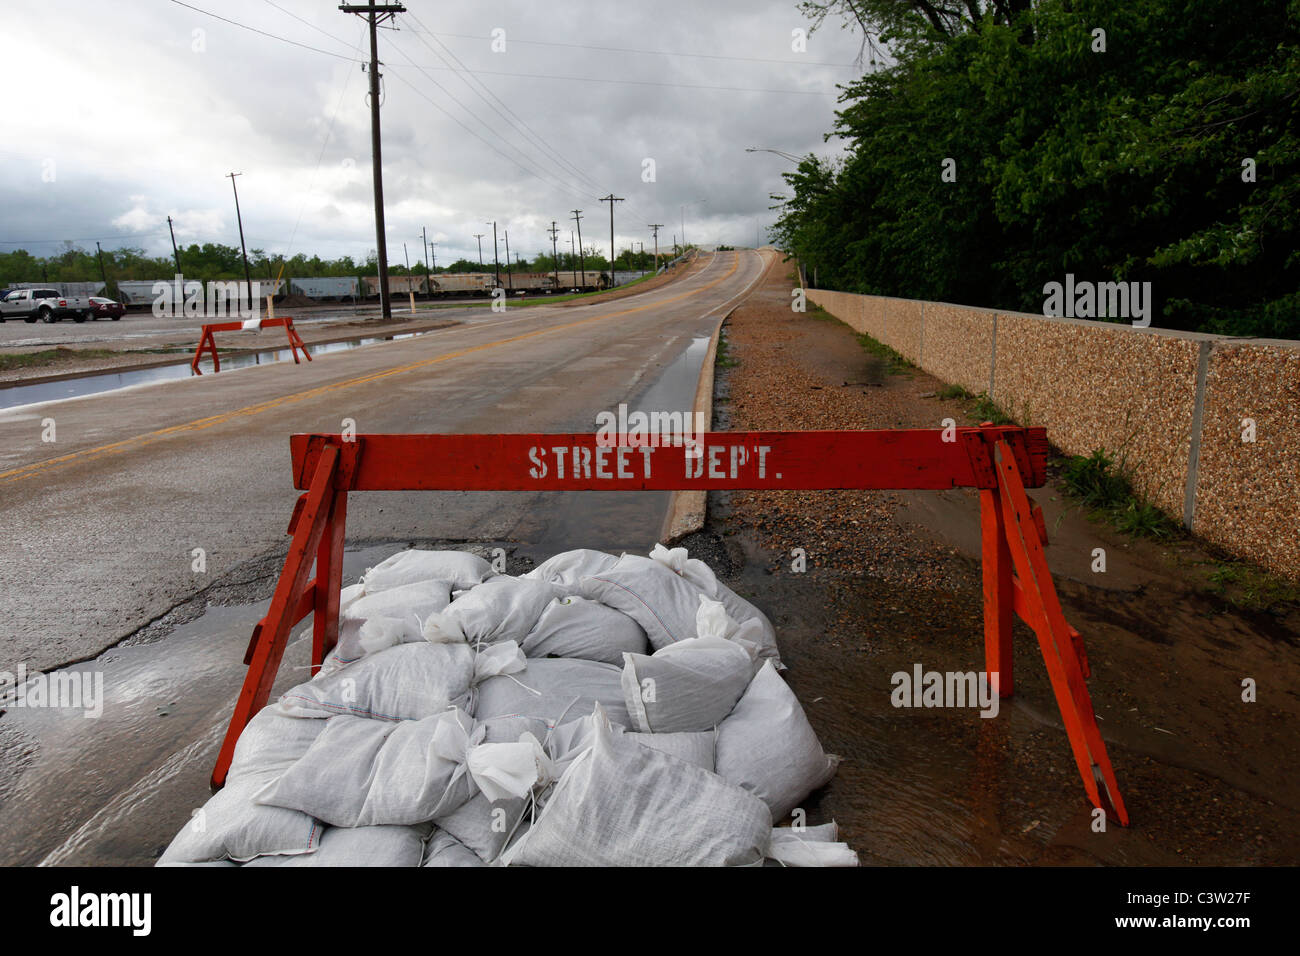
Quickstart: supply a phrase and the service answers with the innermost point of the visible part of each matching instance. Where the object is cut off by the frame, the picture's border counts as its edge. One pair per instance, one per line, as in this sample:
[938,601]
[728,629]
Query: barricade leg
[207,343]
[999,587]
[1054,638]
[329,580]
[290,593]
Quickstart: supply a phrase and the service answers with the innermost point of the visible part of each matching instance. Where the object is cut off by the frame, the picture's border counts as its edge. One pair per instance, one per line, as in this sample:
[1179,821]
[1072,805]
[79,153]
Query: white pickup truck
[44,304]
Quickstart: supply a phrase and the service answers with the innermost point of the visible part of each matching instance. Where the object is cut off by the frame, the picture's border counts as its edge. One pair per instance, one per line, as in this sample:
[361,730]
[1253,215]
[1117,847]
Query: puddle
[114,790]
[97,383]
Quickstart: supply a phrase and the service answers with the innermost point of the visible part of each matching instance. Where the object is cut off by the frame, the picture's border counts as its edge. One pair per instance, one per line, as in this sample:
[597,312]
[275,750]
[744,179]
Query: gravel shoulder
[893,580]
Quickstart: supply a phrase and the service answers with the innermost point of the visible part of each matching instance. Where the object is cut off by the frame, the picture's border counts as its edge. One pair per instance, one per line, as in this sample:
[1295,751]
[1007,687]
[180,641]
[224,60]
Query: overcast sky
[122,114]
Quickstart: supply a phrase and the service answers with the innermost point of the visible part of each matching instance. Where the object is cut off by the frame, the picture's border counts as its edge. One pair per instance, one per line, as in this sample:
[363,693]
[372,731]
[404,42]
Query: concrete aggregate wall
[1169,404]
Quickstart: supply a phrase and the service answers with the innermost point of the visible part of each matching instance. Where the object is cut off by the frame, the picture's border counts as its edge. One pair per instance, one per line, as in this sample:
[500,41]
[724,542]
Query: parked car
[101,308]
[44,304]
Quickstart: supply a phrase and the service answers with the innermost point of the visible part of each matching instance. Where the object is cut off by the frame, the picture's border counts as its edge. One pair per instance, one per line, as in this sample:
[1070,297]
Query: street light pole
[684,205]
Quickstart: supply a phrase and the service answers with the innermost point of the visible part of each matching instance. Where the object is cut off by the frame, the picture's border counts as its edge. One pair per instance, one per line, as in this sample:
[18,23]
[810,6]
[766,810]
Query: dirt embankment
[893,580]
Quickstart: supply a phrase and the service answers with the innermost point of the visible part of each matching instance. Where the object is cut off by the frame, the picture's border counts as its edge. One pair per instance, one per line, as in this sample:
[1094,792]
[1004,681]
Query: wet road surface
[104,522]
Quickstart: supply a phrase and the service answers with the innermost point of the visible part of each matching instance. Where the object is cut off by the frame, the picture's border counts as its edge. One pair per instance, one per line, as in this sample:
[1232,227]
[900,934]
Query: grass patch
[986,410]
[895,364]
[949,392]
[1250,587]
[54,356]
[724,358]
[1103,485]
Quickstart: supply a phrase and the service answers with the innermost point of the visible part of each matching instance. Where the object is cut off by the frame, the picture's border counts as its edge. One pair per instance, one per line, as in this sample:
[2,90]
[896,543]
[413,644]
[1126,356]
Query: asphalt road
[101,525]
[102,522]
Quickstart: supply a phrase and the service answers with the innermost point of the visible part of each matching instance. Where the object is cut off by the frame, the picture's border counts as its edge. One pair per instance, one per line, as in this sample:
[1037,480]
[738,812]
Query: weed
[724,359]
[985,410]
[1249,587]
[1102,485]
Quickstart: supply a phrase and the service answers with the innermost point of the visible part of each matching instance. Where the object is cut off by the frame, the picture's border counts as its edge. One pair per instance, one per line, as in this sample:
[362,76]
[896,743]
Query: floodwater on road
[98,383]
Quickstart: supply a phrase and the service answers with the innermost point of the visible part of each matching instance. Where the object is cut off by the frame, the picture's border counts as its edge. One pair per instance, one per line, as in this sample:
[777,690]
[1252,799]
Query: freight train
[139,293]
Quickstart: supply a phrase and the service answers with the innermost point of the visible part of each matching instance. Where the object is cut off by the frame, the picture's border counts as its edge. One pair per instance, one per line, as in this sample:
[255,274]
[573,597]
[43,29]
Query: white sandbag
[503,609]
[359,846]
[272,742]
[662,602]
[407,682]
[375,621]
[754,624]
[567,741]
[482,825]
[510,769]
[697,572]
[230,826]
[459,569]
[810,846]
[697,749]
[686,687]
[349,594]
[568,568]
[493,659]
[443,849]
[577,627]
[556,689]
[767,746]
[622,804]
[363,772]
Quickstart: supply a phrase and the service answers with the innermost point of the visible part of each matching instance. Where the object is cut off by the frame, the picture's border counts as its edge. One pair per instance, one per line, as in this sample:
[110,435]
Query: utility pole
[376,14]
[554,254]
[239,219]
[175,251]
[428,280]
[611,199]
[510,282]
[577,217]
[641,258]
[479,237]
[656,226]
[496,257]
[102,274]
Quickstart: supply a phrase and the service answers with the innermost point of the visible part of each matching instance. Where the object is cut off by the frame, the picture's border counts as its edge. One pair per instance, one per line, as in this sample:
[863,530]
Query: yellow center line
[148,438]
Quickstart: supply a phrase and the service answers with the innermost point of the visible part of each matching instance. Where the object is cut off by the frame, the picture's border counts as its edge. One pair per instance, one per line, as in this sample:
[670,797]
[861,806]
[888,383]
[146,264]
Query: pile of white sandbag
[596,711]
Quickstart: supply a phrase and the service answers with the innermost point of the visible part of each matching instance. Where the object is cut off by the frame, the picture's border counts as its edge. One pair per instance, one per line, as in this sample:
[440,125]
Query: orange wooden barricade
[1000,461]
[208,343]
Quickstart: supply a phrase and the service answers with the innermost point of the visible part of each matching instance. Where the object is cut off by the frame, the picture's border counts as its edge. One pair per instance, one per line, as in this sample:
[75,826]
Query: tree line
[994,147]
[211,261]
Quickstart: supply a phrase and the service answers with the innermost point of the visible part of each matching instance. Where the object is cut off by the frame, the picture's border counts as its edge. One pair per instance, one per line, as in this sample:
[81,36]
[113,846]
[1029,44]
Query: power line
[537,138]
[245,26]
[529,76]
[536,171]
[546,178]
[562,160]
